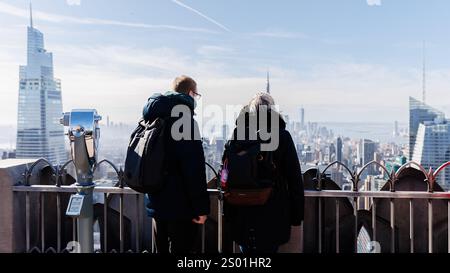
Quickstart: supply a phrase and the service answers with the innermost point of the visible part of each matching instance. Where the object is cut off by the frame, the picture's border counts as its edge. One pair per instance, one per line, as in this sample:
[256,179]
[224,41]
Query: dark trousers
[176,237]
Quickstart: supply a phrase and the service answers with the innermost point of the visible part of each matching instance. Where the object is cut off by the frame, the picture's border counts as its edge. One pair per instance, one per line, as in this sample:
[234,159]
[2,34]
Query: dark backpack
[145,163]
[248,175]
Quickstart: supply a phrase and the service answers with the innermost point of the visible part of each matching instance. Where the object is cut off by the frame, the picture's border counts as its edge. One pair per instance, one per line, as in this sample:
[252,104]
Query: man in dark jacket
[183,203]
[263,228]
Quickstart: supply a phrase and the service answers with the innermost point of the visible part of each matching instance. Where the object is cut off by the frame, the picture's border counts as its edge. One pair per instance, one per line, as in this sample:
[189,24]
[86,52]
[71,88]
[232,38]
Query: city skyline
[125,55]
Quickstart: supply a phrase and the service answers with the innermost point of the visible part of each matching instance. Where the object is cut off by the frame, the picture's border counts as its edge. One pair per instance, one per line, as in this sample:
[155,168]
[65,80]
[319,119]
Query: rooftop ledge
[8,163]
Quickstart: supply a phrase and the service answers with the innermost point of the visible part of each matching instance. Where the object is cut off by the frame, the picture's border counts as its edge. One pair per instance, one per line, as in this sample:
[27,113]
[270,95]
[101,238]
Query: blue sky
[347,60]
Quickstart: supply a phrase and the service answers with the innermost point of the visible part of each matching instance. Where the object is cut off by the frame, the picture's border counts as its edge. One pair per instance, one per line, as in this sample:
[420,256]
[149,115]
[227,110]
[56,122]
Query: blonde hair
[260,99]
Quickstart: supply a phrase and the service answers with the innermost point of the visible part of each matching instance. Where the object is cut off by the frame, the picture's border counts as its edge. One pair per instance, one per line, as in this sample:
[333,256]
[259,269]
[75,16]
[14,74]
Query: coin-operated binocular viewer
[84,134]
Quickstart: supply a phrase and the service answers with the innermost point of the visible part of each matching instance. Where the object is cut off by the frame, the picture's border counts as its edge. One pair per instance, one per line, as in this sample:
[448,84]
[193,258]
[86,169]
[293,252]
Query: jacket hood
[161,105]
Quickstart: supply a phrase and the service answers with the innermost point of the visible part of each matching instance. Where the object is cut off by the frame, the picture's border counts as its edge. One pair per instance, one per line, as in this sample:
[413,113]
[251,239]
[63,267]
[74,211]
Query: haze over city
[343,61]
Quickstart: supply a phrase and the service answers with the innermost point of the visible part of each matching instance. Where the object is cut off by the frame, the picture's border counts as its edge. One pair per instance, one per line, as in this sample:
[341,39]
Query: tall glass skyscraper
[430,132]
[39,133]
[419,112]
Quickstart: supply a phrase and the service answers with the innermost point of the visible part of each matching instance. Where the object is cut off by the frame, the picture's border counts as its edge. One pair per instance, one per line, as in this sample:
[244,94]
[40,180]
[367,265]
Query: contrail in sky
[202,15]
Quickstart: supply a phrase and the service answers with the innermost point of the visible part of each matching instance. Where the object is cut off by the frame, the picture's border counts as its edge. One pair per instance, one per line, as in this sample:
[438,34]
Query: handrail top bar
[73,189]
[308,193]
[70,189]
[379,194]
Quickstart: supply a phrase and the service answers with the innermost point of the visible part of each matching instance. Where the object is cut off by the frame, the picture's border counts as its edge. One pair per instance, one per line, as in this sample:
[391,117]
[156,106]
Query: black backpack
[145,163]
[248,175]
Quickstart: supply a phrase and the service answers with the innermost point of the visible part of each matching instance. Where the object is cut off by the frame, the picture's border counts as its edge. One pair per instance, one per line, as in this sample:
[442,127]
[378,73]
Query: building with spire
[39,133]
[268,83]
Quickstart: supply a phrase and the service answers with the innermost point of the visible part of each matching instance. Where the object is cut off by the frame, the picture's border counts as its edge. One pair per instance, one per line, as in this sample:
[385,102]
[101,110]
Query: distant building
[429,140]
[299,148]
[419,112]
[432,147]
[225,132]
[220,147]
[39,133]
[309,156]
[366,154]
[337,176]
[395,165]
[339,149]
[396,132]
[302,118]
[8,155]
[331,153]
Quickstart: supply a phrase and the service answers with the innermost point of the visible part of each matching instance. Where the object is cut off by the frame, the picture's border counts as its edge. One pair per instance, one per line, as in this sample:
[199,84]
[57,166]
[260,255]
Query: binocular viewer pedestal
[84,135]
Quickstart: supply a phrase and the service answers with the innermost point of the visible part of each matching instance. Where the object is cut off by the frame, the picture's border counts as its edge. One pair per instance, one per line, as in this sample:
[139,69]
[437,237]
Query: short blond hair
[184,84]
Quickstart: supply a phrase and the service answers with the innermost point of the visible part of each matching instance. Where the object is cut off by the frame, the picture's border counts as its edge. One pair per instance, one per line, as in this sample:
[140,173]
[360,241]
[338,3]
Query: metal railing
[319,194]
[392,195]
[43,190]
[374,195]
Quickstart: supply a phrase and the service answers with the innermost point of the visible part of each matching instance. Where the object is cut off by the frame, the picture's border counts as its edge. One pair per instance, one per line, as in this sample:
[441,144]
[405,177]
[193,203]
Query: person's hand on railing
[200,219]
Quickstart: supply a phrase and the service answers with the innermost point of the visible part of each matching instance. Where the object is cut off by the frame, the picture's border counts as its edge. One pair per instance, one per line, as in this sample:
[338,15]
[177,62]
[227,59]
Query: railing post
[337,226]
[220,223]
[121,226]
[448,225]
[355,213]
[411,225]
[138,221]
[58,223]
[430,226]
[374,220]
[27,220]
[392,222]
[41,197]
[105,223]
[319,226]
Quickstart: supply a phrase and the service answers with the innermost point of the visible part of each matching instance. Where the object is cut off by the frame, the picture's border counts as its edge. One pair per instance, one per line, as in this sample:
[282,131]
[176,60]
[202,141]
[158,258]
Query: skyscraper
[419,112]
[339,149]
[366,153]
[396,132]
[432,147]
[302,118]
[39,133]
[331,153]
[268,83]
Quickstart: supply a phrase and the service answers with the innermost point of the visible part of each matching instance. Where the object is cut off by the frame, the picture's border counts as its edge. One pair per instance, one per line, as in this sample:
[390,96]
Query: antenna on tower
[268,83]
[31,15]
[424,75]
